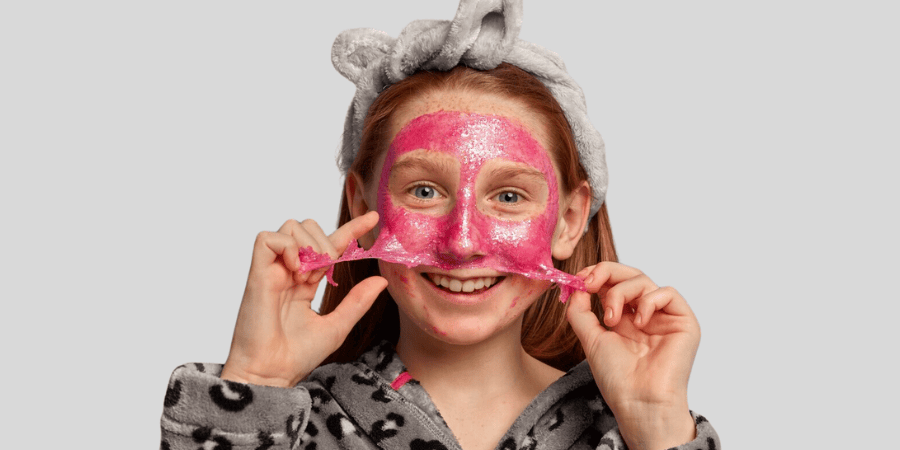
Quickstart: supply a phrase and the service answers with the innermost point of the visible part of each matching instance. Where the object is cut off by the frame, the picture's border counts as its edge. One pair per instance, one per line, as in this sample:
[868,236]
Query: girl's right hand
[279,339]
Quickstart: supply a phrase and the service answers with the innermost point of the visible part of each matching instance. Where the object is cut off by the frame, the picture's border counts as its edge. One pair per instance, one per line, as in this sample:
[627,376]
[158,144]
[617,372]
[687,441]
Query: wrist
[652,427]
[231,374]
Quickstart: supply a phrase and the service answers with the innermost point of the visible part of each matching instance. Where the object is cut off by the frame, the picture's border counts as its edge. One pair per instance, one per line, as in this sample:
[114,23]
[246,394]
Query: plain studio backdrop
[752,150]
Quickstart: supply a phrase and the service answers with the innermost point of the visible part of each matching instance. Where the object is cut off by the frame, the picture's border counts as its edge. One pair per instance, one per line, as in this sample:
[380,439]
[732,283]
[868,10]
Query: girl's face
[467,187]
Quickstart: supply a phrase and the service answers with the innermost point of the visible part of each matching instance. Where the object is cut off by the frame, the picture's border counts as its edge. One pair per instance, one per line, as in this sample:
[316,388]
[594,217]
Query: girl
[479,188]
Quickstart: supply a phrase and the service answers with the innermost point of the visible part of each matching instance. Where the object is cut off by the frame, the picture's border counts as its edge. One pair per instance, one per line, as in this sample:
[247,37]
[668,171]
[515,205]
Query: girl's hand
[279,339]
[642,362]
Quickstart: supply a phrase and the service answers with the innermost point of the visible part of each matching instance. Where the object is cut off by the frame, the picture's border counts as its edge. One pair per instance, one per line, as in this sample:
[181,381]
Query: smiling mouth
[465,286]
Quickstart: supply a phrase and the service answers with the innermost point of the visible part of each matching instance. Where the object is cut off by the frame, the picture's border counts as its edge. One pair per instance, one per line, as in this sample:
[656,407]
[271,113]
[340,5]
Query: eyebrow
[430,165]
[518,171]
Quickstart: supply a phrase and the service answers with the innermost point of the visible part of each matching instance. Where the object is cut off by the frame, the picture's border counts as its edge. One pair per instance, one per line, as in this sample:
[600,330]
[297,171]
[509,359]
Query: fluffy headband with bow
[483,34]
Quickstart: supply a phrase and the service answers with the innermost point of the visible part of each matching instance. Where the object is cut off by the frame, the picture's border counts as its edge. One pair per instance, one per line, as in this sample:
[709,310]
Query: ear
[575,211]
[355,192]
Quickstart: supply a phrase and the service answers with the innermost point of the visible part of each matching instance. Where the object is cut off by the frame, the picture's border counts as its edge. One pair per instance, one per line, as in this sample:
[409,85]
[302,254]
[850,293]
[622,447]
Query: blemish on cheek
[403,279]
[438,331]
[514,301]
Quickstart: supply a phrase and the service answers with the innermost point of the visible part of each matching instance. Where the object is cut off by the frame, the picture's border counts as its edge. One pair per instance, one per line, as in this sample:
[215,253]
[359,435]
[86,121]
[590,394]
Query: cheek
[509,233]
[399,278]
[524,243]
[407,297]
[528,292]
[417,232]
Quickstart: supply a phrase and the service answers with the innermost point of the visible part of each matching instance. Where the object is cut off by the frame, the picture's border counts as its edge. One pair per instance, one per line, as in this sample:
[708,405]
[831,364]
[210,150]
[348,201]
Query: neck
[480,388]
[497,366]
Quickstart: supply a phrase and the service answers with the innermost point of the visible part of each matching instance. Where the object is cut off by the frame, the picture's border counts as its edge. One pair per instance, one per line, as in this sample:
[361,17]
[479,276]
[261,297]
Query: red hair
[546,334]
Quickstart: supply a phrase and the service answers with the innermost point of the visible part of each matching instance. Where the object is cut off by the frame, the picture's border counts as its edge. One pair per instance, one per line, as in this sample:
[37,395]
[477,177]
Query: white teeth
[455,285]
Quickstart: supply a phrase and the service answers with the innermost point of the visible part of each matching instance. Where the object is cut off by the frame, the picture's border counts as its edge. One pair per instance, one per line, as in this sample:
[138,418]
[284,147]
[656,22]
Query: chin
[456,331]
[466,331]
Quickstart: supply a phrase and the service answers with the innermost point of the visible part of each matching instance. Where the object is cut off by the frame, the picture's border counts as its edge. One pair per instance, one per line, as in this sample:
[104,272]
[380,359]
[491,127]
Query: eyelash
[434,190]
[521,198]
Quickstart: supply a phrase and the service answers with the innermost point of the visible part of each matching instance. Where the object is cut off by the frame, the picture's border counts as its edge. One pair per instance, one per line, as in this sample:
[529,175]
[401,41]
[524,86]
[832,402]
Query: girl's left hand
[642,362]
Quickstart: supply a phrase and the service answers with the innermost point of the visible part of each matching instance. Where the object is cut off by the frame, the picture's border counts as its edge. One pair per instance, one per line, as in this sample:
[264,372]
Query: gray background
[751,145]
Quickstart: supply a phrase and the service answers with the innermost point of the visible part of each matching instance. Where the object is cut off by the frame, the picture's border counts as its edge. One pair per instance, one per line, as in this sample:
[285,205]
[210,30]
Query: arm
[278,340]
[202,409]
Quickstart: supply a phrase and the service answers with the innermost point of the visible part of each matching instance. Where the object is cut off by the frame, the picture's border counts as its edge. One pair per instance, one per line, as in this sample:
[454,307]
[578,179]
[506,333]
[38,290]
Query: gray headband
[483,34]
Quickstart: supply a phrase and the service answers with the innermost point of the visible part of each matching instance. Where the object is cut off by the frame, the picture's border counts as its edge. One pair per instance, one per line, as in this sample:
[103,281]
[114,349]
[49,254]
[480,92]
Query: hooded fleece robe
[374,404]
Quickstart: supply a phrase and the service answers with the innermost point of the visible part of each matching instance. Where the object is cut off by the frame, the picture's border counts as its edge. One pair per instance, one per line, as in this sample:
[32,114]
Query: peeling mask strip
[463,237]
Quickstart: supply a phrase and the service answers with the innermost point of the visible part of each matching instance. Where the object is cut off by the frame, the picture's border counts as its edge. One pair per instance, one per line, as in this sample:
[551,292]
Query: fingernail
[608,313]
[589,279]
[637,319]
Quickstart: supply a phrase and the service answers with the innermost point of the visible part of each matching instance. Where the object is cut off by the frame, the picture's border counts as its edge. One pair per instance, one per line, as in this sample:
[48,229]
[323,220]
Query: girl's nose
[462,240]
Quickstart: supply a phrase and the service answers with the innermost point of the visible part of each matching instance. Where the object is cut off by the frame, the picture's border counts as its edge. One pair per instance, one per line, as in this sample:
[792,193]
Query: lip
[465,274]
[464,298]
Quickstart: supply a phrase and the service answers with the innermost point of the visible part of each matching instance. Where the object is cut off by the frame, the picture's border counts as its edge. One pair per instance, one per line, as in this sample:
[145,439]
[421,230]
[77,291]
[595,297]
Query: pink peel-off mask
[464,237]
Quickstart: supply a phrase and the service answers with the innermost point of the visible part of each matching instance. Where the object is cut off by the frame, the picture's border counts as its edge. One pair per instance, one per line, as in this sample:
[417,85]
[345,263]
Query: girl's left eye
[425,192]
[508,197]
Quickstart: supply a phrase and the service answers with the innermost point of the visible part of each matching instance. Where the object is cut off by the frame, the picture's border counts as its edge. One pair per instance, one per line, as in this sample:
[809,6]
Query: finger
[354,306]
[310,277]
[583,273]
[584,322]
[314,230]
[304,239]
[663,324]
[353,230]
[317,275]
[608,273]
[270,246]
[666,299]
[623,293]
[649,303]
[626,329]
[303,234]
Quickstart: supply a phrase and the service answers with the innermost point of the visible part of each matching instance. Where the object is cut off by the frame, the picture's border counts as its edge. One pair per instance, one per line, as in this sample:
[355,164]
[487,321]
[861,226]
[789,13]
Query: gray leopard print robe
[372,404]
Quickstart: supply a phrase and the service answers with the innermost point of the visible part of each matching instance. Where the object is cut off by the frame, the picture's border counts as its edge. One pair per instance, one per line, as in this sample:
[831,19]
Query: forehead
[468,102]
[473,138]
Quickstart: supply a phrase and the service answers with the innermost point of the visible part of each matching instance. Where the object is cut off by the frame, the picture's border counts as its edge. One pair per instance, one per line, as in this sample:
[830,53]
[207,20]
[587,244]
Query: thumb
[354,306]
[584,322]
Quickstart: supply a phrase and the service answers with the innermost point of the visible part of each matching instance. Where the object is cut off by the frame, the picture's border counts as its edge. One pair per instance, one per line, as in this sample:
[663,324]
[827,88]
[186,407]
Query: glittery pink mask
[464,237]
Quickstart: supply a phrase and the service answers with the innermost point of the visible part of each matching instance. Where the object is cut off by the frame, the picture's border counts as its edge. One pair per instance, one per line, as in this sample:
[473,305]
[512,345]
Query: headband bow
[483,34]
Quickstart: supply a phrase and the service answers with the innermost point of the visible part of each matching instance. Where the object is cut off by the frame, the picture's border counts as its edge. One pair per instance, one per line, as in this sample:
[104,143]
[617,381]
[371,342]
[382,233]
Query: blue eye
[508,197]
[426,192]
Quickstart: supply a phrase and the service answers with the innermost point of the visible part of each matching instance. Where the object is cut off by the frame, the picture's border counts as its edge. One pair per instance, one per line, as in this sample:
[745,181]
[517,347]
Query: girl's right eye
[425,192]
